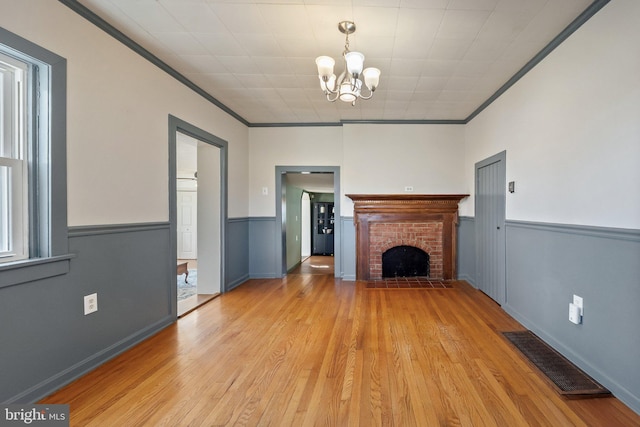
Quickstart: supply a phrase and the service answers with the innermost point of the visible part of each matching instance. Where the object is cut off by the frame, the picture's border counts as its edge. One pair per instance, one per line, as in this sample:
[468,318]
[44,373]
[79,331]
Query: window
[14,232]
[33,169]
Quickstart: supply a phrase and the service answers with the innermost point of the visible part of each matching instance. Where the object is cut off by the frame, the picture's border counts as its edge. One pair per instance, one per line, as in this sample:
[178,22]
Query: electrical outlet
[90,304]
[408,189]
[579,302]
[574,314]
[575,310]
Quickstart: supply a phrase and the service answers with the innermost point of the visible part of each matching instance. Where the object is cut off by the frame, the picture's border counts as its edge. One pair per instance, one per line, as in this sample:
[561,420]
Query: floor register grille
[568,379]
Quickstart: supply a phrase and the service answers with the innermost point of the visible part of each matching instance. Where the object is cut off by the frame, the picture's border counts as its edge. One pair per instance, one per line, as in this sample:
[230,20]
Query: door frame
[501,207]
[281,230]
[179,125]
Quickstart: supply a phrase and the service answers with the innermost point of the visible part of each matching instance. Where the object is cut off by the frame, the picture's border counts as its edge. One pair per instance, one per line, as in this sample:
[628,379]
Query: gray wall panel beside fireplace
[348,248]
[466,262]
[548,263]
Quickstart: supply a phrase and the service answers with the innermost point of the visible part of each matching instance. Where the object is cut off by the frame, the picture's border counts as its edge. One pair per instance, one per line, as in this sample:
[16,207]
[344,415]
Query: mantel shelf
[384,203]
[406,197]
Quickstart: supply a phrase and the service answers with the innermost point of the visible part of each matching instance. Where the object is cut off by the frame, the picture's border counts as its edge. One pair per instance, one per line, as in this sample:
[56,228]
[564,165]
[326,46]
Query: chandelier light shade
[355,62]
[348,86]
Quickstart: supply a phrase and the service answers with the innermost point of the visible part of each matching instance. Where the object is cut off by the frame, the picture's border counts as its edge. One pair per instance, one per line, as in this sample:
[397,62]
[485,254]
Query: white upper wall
[372,159]
[386,158]
[117,120]
[287,146]
[571,128]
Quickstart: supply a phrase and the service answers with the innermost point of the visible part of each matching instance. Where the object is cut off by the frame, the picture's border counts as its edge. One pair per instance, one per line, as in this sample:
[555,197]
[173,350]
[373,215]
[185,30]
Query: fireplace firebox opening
[405,261]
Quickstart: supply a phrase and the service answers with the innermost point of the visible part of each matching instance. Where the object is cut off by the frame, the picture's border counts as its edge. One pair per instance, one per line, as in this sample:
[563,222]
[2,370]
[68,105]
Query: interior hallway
[315,264]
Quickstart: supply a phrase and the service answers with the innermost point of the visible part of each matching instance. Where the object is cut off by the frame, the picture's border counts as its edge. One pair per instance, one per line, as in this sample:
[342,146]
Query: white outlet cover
[574,314]
[90,304]
[578,301]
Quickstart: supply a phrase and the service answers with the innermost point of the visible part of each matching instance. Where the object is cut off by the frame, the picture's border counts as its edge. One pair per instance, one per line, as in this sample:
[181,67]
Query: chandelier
[348,86]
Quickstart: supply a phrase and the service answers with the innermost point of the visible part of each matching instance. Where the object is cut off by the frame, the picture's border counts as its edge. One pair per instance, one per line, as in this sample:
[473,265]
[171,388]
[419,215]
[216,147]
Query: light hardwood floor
[312,350]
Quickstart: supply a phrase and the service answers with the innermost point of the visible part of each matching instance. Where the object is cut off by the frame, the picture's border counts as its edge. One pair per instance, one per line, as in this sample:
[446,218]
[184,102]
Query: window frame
[48,237]
[14,141]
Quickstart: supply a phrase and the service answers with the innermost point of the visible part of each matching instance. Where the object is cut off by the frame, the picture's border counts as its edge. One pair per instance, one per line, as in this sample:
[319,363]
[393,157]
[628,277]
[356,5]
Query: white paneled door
[490,230]
[187,224]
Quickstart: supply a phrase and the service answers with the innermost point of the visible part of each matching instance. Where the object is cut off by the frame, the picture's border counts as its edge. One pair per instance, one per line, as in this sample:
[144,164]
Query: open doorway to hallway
[211,173]
[308,216]
[198,222]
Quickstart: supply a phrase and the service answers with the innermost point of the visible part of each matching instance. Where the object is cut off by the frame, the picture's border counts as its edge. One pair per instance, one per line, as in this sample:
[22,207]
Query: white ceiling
[440,59]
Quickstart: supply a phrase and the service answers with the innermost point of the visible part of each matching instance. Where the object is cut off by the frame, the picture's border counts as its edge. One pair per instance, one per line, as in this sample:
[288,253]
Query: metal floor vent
[567,378]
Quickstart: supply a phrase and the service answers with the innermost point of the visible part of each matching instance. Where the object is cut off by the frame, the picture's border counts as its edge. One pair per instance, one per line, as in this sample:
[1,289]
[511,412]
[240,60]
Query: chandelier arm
[362,96]
[335,98]
[327,90]
[354,83]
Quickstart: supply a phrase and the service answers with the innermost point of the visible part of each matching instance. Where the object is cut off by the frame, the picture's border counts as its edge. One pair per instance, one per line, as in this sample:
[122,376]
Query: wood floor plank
[311,350]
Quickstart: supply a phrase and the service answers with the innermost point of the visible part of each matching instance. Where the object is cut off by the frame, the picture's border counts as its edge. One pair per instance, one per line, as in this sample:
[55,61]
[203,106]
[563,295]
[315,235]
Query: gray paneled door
[490,230]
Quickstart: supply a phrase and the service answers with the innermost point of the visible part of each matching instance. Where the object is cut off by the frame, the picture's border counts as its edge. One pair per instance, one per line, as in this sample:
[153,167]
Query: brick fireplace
[385,221]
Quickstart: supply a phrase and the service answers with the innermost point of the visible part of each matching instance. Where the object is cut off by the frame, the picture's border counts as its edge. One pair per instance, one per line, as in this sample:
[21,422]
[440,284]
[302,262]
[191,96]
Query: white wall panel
[374,158]
[118,107]
[387,158]
[288,146]
[571,128]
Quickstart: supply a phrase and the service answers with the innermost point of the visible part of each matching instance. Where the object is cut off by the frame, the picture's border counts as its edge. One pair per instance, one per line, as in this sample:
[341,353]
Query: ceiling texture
[440,60]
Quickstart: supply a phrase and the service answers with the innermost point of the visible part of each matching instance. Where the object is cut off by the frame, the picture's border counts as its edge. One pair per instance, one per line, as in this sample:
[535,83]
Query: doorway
[490,178]
[304,179]
[198,212]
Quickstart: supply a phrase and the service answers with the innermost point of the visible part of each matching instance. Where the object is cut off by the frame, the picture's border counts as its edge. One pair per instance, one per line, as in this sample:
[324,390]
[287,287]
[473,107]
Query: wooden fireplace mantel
[394,208]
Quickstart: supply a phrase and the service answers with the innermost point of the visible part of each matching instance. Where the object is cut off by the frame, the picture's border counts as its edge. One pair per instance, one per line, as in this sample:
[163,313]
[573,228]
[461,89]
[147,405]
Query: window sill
[18,272]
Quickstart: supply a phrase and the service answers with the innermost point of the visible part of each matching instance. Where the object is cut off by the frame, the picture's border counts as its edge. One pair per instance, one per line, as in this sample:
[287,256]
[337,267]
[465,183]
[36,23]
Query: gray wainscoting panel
[262,247]
[548,263]
[466,262]
[237,252]
[47,341]
[348,248]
